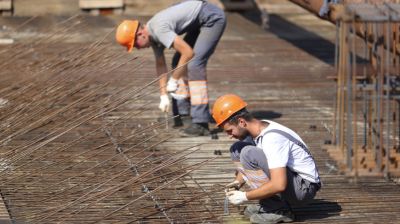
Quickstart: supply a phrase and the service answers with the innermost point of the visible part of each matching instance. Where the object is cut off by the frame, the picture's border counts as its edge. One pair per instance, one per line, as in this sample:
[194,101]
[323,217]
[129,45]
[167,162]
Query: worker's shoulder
[273,138]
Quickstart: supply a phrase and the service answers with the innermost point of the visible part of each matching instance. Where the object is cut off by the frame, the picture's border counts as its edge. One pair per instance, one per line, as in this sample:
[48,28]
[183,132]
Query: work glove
[235,184]
[164,103]
[182,92]
[178,96]
[236,197]
[172,85]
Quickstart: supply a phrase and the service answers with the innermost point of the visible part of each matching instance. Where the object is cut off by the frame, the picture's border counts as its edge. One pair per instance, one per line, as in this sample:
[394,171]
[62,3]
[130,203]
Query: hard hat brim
[130,48]
[132,45]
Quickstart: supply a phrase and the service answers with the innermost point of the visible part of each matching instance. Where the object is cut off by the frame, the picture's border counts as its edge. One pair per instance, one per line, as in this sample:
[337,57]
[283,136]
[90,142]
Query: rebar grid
[74,145]
[368,99]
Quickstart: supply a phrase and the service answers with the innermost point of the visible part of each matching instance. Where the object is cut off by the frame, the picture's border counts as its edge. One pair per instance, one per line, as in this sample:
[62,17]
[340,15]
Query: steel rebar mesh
[367,107]
[77,142]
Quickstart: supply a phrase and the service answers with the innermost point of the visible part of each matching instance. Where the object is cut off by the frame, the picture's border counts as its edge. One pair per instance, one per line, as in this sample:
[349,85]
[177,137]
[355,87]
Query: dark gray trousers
[203,37]
[298,190]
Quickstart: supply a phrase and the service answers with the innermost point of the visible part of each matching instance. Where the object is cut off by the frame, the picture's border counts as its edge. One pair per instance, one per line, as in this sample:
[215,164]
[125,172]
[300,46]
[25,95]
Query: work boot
[181,120]
[283,215]
[178,121]
[194,130]
[251,210]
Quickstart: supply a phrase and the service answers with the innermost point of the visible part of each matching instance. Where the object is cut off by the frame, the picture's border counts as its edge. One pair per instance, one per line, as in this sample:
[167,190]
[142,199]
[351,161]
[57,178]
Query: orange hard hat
[126,33]
[225,106]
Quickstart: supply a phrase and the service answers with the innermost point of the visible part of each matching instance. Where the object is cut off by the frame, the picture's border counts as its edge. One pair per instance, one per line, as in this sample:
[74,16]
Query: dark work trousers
[203,36]
[298,190]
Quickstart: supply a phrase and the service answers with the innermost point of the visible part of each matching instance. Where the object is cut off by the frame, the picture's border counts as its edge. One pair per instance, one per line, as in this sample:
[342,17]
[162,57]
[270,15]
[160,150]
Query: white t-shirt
[281,152]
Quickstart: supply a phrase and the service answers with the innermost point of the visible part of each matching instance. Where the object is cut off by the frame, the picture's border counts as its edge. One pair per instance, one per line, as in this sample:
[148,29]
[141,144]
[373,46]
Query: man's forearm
[182,67]
[276,184]
[162,71]
[186,53]
[239,178]
[163,84]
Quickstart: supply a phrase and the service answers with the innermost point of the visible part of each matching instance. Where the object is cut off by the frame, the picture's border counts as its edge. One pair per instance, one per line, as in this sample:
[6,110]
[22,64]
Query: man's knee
[249,152]
[197,70]
[253,158]
[236,149]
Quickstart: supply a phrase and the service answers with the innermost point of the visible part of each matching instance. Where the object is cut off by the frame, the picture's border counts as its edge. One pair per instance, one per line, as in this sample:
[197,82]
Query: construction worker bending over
[280,170]
[204,24]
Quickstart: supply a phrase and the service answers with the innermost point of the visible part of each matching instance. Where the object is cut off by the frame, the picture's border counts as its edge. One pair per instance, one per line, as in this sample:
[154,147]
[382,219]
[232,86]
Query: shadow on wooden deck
[316,210]
[266,114]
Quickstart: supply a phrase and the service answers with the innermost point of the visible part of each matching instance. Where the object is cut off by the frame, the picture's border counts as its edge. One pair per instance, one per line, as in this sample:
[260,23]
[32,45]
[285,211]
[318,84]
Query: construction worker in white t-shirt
[279,169]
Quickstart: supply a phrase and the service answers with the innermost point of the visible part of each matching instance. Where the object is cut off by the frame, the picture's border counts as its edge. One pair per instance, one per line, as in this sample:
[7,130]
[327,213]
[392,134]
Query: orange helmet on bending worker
[126,33]
[225,106]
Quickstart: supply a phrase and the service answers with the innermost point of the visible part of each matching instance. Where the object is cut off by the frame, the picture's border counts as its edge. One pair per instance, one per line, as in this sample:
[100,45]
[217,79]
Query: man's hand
[179,96]
[172,85]
[164,103]
[236,197]
[235,184]
[182,92]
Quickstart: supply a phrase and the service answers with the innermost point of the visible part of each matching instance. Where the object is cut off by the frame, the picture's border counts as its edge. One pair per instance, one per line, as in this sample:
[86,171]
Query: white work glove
[164,103]
[179,96]
[236,197]
[182,92]
[172,85]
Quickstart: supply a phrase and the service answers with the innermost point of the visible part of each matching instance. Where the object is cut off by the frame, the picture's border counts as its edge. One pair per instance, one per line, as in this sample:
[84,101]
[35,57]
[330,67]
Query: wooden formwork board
[5,5]
[100,4]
